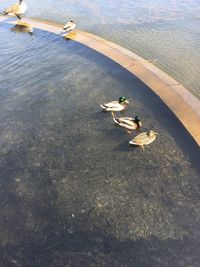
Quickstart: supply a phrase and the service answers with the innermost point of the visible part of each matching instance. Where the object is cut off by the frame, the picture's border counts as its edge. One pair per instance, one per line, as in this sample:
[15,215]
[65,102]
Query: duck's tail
[132,143]
[114,119]
[103,107]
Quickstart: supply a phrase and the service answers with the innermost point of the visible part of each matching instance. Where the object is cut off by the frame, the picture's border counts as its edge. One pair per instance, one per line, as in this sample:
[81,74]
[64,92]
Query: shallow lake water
[167,31]
[72,191]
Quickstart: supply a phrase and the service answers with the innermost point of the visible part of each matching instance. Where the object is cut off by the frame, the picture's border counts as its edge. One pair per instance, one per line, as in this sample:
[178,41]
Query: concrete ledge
[183,104]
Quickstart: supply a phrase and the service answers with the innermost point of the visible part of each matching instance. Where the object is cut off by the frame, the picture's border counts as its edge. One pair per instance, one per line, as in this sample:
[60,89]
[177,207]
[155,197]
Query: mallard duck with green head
[119,105]
[128,123]
[144,138]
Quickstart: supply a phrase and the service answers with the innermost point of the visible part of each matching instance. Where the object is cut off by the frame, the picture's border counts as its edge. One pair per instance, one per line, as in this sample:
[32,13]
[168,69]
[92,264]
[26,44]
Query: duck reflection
[22,26]
[70,36]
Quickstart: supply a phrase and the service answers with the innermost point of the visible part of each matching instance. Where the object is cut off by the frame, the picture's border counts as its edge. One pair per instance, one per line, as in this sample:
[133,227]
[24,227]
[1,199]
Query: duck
[17,9]
[129,124]
[144,138]
[69,26]
[119,105]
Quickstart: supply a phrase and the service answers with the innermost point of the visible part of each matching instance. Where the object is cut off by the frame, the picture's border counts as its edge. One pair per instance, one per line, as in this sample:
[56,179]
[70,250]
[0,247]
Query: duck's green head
[137,119]
[123,100]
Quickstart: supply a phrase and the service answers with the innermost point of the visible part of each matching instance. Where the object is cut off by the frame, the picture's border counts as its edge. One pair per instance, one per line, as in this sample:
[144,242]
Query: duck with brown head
[144,138]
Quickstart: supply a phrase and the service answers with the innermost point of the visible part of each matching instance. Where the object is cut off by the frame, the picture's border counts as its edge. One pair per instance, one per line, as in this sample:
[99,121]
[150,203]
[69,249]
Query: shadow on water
[125,147]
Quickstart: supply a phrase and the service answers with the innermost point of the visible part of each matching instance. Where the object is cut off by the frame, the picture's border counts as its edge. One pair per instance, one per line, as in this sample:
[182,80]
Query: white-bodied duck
[144,138]
[119,105]
[129,124]
[69,26]
[17,9]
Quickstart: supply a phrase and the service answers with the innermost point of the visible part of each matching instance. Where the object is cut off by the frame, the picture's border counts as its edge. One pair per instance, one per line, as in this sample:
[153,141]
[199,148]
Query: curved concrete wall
[183,104]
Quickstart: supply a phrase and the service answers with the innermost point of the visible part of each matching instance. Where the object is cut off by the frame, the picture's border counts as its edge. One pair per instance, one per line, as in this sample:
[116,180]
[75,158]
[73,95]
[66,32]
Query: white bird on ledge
[69,26]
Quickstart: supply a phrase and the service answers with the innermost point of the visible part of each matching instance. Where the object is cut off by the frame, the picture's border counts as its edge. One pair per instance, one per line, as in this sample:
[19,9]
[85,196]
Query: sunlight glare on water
[168,31]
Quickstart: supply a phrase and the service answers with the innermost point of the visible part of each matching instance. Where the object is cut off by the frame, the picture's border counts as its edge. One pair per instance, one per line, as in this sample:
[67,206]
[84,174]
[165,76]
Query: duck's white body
[127,123]
[69,26]
[114,106]
[17,9]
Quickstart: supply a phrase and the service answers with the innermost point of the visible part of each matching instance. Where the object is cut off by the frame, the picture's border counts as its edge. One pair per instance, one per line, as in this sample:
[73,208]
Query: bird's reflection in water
[70,36]
[22,26]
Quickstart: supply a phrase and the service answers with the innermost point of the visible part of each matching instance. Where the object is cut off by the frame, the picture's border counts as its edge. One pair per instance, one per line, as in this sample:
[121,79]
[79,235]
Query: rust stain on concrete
[183,104]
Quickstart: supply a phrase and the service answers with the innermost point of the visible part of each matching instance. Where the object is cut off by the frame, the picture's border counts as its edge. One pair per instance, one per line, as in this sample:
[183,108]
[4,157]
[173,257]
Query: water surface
[167,31]
[72,191]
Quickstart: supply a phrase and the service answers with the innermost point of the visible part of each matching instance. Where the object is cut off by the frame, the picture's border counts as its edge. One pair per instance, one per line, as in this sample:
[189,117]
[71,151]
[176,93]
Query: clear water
[168,31]
[72,191]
